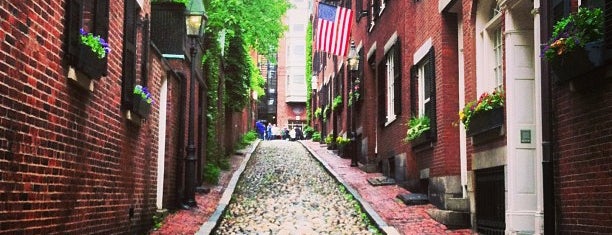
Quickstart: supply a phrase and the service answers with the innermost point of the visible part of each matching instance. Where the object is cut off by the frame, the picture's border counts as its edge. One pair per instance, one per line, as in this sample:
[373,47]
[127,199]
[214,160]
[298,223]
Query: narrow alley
[285,191]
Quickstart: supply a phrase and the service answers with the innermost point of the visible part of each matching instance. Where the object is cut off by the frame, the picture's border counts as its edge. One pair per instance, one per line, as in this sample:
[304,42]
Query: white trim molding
[422,51]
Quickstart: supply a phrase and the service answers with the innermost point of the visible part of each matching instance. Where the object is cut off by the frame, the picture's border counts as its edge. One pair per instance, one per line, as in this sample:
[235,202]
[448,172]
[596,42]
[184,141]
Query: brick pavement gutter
[390,214]
[380,223]
[213,221]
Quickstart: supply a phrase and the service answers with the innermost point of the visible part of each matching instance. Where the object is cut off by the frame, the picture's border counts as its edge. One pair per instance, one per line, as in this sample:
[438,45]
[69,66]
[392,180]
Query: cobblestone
[285,191]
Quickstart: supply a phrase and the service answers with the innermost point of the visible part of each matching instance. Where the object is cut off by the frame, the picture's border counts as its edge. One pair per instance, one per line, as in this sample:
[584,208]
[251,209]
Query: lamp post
[353,64]
[195,19]
[313,100]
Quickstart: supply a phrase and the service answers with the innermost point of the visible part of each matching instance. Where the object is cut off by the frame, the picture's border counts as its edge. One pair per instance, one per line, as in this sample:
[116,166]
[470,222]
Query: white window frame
[490,48]
[498,52]
[390,86]
[421,88]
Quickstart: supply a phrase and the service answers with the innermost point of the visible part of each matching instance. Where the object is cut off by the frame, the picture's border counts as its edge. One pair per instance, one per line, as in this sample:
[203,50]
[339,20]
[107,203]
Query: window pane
[498,52]
[88,15]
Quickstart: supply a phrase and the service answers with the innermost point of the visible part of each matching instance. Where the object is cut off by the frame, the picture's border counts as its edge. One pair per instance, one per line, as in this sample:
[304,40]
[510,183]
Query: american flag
[333,29]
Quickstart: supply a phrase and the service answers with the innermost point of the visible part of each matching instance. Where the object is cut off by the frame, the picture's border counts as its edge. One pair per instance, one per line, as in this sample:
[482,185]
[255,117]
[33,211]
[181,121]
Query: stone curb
[212,222]
[380,223]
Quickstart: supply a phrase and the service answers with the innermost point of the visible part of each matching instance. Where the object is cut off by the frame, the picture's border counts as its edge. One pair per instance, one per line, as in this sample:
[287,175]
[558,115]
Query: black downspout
[550,216]
[180,148]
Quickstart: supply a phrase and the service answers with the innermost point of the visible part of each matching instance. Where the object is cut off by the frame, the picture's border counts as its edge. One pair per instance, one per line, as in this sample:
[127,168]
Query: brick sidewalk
[406,219]
[190,221]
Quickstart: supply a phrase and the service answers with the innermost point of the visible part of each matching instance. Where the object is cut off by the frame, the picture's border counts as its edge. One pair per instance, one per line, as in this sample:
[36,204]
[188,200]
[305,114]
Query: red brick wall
[71,162]
[582,149]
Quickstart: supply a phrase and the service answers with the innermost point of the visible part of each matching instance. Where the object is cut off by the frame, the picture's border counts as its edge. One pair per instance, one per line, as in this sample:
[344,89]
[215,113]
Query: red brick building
[79,152]
[544,151]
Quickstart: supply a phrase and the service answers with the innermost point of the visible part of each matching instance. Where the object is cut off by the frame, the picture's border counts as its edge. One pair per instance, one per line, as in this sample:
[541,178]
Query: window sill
[390,120]
[133,117]
[80,79]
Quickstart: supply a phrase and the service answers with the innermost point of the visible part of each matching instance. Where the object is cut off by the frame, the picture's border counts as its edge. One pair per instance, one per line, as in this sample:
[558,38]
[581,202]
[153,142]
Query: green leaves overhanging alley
[234,29]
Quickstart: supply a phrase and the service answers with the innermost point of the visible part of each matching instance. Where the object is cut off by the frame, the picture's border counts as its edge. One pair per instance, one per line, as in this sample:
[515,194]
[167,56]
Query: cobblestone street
[285,191]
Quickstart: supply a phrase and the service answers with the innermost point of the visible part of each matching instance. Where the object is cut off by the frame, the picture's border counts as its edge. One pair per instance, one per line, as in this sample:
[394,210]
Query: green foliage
[98,45]
[365,218]
[484,103]
[575,30]
[336,102]
[308,131]
[257,81]
[318,112]
[341,141]
[416,127]
[237,74]
[309,72]
[211,173]
[316,136]
[224,164]
[329,139]
[259,21]
[250,136]
[158,220]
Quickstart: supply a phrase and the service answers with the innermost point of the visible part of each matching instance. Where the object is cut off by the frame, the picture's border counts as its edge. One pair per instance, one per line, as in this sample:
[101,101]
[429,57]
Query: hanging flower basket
[578,62]
[141,101]
[575,46]
[486,120]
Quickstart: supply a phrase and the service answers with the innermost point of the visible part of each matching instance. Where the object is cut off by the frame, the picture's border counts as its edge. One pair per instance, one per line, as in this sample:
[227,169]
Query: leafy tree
[259,21]
[237,74]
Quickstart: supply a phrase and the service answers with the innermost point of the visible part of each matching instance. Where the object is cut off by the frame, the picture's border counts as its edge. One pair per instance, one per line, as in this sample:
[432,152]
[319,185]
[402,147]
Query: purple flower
[82,31]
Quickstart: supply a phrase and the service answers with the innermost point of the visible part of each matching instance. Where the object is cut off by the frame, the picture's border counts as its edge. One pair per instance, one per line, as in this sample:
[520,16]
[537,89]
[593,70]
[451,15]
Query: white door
[161,144]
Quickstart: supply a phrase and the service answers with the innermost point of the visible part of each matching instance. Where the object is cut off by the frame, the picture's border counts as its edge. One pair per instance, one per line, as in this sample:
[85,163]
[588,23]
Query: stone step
[452,219]
[458,204]
[413,198]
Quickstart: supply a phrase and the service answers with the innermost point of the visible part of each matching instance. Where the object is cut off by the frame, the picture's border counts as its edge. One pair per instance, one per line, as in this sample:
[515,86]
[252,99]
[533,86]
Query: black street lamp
[195,19]
[353,64]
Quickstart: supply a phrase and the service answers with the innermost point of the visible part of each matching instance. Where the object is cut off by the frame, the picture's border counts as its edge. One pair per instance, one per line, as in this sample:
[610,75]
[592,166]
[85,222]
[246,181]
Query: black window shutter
[145,51]
[397,79]
[101,28]
[382,94]
[608,25]
[74,20]
[102,14]
[430,81]
[414,87]
[129,53]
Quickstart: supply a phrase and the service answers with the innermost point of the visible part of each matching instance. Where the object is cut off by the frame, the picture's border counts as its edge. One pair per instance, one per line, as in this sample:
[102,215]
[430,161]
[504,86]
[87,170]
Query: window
[299,50]
[91,16]
[423,90]
[390,84]
[298,28]
[132,25]
[490,47]
[498,52]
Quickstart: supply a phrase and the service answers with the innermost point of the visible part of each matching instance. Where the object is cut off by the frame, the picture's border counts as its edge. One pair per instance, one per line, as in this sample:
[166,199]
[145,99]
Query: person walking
[261,128]
[269,132]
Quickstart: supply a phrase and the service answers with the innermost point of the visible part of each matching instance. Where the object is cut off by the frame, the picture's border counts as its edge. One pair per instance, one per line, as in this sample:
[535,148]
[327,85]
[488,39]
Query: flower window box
[141,102]
[140,107]
[578,62]
[576,44]
[485,121]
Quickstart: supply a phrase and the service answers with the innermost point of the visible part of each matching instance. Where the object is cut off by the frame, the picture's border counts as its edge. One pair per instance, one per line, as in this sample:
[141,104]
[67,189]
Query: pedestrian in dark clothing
[299,134]
[261,128]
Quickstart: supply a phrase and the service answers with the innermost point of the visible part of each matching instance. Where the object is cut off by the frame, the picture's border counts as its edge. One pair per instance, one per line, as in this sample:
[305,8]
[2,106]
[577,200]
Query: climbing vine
[309,73]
